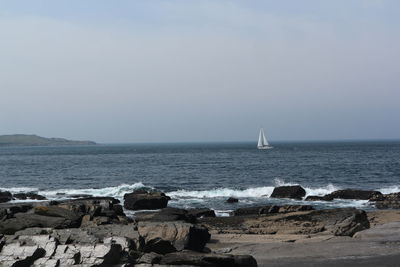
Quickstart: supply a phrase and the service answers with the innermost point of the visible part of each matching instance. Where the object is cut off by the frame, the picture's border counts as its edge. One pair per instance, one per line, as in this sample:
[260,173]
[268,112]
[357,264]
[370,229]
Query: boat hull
[264,147]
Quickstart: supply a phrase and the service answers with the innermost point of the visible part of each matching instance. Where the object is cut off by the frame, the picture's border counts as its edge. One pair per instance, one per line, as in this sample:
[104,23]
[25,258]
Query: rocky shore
[95,231]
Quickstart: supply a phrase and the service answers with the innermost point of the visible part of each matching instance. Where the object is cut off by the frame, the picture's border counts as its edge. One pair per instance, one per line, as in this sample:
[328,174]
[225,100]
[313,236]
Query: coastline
[96,231]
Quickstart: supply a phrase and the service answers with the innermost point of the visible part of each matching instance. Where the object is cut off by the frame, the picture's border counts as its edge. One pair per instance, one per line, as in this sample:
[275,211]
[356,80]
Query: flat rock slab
[389,232]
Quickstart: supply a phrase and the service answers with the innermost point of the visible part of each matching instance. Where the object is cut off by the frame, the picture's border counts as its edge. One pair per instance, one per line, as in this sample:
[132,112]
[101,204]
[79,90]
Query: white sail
[262,141]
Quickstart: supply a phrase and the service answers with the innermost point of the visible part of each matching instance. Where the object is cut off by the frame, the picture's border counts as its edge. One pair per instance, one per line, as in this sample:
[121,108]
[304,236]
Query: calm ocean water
[203,175]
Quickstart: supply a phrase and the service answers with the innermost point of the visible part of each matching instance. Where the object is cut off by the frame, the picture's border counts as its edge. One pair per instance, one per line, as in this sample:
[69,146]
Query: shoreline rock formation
[95,231]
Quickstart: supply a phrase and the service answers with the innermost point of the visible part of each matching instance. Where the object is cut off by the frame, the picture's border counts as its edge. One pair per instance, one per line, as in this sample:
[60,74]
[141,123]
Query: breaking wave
[112,191]
[390,189]
[252,192]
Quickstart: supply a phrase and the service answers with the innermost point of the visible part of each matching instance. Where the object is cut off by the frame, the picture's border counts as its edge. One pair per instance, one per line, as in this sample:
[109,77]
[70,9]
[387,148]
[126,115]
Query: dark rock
[159,246]
[211,260]
[319,198]
[5,196]
[140,200]
[387,201]
[200,213]
[166,215]
[119,211]
[354,194]
[250,210]
[232,200]
[29,195]
[180,235]
[149,258]
[294,191]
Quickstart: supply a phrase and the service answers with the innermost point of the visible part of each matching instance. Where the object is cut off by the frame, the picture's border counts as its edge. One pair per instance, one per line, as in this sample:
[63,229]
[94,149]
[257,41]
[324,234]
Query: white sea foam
[252,192]
[15,190]
[390,189]
[112,191]
[223,192]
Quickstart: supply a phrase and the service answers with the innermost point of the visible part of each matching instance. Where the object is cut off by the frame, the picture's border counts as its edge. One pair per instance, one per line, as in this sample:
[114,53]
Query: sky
[184,70]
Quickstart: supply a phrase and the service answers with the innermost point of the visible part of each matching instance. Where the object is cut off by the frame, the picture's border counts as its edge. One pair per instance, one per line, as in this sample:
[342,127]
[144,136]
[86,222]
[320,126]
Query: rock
[140,200]
[55,211]
[294,208]
[26,250]
[88,255]
[166,215]
[150,258]
[353,194]
[212,260]
[94,206]
[319,198]
[5,196]
[349,226]
[27,220]
[258,210]
[200,213]
[387,201]
[340,222]
[180,235]
[29,195]
[159,245]
[294,191]
[232,200]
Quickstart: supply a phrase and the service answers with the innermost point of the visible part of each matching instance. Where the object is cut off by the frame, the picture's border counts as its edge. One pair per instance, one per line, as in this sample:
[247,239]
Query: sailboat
[262,141]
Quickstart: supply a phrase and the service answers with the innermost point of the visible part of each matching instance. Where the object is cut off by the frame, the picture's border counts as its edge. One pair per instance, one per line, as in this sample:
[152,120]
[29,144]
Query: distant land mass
[34,140]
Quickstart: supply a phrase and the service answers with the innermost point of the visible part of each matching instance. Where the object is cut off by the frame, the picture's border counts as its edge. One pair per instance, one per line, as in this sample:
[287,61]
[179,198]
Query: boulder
[353,194]
[5,196]
[29,195]
[178,234]
[319,198]
[387,201]
[232,200]
[293,191]
[212,260]
[141,200]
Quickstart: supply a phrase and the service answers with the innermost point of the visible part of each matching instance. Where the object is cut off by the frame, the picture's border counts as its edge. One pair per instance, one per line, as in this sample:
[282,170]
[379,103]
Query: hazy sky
[161,71]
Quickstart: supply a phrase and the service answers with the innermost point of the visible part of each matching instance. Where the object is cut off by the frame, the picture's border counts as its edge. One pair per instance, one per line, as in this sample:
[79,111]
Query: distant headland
[35,140]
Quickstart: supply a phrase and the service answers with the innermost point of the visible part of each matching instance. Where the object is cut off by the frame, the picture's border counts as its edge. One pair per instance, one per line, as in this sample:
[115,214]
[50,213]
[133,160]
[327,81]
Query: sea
[197,175]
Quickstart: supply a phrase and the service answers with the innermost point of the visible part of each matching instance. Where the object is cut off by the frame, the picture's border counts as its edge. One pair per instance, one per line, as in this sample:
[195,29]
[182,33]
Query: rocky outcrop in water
[143,200]
[232,200]
[293,191]
[353,194]
[30,195]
